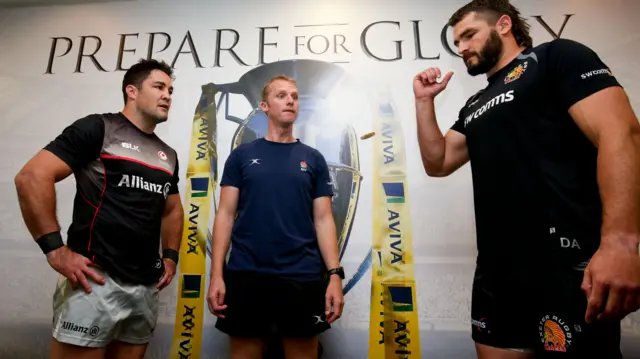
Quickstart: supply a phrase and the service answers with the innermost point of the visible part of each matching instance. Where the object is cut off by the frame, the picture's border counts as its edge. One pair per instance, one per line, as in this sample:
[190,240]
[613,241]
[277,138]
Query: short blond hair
[267,87]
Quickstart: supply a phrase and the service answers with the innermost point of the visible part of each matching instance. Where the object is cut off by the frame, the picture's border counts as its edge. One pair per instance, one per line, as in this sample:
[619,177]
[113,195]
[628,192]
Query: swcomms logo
[131,181]
[480,324]
[586,75]
[500,99]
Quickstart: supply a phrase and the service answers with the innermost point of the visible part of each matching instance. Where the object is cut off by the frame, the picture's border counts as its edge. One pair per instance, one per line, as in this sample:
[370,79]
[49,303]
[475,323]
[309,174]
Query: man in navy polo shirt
[284,238]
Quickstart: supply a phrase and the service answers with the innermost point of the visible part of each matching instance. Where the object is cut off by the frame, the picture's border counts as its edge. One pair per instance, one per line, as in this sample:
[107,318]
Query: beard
[488,56]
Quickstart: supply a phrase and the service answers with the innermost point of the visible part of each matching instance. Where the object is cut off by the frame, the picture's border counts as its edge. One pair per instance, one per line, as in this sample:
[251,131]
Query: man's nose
[462,48]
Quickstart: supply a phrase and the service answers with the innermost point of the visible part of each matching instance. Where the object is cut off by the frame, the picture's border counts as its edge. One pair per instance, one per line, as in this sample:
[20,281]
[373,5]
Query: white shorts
[113,311]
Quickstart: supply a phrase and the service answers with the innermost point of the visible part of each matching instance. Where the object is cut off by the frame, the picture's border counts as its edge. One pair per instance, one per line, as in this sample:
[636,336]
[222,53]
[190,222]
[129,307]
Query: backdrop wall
[356,62]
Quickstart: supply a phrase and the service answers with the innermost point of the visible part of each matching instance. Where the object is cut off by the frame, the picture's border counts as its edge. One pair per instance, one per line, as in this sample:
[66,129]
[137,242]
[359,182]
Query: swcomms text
[500,99]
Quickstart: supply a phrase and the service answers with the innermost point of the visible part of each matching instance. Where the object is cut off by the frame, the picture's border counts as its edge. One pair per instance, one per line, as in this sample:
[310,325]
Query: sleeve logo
[586,75]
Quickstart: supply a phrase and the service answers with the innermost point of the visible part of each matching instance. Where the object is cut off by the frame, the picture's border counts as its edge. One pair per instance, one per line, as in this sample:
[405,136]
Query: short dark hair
[495,9]
[140,71]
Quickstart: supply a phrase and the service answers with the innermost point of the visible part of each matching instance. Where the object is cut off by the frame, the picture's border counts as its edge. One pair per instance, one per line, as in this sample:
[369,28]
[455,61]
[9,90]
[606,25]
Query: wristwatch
[339,271]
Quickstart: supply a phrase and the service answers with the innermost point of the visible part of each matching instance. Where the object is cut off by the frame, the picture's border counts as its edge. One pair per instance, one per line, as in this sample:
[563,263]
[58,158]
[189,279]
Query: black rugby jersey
[123,178]
[534,171]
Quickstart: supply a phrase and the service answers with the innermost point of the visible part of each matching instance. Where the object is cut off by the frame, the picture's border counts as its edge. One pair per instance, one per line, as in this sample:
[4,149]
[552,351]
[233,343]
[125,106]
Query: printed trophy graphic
[315,81]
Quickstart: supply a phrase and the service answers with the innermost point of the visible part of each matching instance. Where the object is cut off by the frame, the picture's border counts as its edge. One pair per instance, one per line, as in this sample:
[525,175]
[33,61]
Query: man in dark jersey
[283,240]
[106,300]
[554,148]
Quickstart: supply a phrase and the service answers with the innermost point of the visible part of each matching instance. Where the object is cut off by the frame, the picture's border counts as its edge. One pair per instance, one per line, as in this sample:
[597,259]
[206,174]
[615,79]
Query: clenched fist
[426,85]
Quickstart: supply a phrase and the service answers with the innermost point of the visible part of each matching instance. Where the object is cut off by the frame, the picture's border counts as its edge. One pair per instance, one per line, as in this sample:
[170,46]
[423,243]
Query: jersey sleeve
[79,143]
[576,71]
[232,173]
[458,126]
[323,186]
[176,178]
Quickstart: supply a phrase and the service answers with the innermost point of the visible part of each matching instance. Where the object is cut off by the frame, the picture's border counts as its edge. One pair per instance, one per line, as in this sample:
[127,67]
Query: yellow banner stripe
[201,183]
[394,327]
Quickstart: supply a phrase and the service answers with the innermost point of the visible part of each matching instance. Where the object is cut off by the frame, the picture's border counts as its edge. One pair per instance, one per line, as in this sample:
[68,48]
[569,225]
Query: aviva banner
[199,195]
[393,329]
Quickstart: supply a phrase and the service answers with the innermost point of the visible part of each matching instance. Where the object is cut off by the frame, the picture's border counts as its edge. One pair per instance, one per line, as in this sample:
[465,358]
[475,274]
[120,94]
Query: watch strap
[339,271]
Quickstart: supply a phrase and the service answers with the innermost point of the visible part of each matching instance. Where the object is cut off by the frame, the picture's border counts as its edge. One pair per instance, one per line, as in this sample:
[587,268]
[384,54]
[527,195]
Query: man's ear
[132,91]
[264,106]
[504,24]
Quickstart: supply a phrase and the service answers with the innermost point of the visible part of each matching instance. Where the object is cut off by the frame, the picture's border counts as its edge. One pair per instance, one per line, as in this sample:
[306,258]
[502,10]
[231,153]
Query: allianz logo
[72,327]
[132,181]
[500,99]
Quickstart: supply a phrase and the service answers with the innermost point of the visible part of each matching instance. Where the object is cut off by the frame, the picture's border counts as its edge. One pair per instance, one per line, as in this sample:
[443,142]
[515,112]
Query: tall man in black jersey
[106,301]
[555,153]
[275,212]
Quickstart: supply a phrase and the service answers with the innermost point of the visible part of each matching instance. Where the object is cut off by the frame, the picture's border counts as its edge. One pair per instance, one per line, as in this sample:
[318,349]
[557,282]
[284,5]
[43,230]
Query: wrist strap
[50,242]
[171,254]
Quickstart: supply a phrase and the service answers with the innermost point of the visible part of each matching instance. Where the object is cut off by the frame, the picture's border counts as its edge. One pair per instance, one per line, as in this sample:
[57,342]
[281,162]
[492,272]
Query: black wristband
[171,254]
[50,242]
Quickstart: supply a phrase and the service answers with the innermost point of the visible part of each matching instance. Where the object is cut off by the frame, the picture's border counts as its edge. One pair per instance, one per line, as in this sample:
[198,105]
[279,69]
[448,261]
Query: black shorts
[540,312]
[259,305]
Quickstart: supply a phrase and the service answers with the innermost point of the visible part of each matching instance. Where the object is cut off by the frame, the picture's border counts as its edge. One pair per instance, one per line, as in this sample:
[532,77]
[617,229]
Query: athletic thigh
[121,350]
[249,312]
[487,352]
[301,312]
[68,351]
[562,330]
[502,310]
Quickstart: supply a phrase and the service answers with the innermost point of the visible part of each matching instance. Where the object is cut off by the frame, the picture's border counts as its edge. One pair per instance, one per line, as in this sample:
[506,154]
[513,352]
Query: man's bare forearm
[430,138]
[222,227]
[328,242]
[172,226]
[37,199]
[619,182]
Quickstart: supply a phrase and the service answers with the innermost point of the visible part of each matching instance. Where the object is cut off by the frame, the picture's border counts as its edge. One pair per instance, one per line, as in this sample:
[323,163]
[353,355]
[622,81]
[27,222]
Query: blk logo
[130,146]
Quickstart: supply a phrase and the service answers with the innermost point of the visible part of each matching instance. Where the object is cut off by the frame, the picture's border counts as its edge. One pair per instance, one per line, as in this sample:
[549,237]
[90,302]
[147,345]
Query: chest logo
[516,73]
[131,146]
[303,166]
[254,161]
[498,100]
[162,155]
[138,182]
